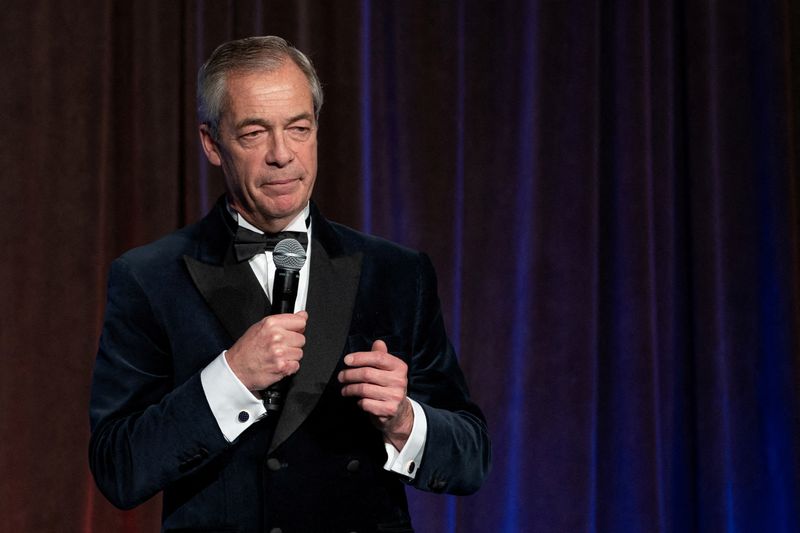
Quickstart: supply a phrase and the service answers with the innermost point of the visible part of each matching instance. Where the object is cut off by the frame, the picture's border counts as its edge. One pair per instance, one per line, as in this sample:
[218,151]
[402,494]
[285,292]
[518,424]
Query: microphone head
[289,255]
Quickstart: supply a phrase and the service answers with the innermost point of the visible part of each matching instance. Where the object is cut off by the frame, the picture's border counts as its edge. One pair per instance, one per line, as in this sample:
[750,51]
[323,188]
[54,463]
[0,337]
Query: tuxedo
[174,305]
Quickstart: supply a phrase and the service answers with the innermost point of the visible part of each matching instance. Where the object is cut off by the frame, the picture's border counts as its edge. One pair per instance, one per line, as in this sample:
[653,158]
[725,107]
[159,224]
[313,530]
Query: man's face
[267,145]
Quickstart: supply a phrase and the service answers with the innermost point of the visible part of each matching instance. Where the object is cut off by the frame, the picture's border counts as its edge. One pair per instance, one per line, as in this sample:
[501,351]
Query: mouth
[281,186]
[280,182]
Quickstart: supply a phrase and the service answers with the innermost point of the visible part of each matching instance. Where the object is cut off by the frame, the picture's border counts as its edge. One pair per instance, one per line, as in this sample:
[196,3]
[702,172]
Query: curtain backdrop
[608,189]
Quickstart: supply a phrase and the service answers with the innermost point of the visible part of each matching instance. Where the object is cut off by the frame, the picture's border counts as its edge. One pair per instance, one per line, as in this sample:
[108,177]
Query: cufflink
[244,416]
[410,467]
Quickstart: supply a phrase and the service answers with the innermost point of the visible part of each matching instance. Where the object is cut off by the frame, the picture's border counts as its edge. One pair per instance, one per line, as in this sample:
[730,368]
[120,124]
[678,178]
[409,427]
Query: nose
[279,153]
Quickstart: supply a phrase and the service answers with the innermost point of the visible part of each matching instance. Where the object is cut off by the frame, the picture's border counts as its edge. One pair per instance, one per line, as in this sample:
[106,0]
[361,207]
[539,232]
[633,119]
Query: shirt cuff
[234,407]
[406,461]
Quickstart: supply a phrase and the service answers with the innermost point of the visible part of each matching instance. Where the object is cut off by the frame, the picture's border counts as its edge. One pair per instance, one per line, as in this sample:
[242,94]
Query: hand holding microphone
[269,352]
[289,257]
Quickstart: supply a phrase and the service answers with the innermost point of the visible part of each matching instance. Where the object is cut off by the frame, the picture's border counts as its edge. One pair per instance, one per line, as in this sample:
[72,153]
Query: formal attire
[176,304]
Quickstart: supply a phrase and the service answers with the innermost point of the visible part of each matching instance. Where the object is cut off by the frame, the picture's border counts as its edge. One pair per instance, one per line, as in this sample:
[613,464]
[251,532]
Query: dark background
[608,189]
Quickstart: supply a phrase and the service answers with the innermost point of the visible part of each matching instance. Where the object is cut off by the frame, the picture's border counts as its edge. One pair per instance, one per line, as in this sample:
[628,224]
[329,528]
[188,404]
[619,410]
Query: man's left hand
[380,381]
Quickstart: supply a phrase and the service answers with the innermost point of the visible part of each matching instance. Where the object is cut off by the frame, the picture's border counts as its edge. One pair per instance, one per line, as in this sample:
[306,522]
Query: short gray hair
[252,54]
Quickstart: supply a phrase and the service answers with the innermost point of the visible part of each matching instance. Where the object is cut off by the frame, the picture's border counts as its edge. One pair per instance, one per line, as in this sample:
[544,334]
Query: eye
[254,134]
[299,132]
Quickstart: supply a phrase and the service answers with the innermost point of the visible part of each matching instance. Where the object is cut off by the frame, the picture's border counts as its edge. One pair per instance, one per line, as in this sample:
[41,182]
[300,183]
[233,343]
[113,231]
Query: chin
[280,209]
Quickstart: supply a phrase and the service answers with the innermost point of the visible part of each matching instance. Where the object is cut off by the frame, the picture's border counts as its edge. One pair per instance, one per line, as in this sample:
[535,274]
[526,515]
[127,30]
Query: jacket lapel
[233,293]
[230,288]
[333,284]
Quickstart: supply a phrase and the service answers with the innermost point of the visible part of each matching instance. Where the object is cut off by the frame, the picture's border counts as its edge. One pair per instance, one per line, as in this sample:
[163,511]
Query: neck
[267,225]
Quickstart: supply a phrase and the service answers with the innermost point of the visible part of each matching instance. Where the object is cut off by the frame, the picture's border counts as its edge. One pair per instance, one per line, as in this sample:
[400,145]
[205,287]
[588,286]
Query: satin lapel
[232,291]
[333,285]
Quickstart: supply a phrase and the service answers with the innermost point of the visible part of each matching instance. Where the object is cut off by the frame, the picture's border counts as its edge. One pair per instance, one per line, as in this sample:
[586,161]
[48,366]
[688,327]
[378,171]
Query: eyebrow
[265,124]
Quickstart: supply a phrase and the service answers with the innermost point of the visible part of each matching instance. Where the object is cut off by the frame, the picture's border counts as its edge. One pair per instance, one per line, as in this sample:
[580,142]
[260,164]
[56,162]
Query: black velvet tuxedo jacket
[176,304]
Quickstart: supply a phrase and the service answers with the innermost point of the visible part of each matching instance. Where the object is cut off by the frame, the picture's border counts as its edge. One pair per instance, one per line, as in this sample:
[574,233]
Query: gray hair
[252,54]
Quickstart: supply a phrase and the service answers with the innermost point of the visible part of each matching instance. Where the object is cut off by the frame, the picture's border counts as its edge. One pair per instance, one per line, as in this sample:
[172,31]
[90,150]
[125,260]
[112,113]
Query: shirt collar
[298,223]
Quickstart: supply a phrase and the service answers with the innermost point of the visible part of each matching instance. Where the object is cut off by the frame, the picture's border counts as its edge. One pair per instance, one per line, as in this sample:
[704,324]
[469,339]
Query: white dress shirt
[236,408]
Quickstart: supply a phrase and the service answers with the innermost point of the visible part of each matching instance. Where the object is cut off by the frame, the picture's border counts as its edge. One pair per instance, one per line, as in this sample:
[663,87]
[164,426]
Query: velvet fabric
[176,304]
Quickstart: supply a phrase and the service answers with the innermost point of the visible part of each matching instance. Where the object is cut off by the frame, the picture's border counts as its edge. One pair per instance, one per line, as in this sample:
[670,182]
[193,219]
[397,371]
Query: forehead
[284,89]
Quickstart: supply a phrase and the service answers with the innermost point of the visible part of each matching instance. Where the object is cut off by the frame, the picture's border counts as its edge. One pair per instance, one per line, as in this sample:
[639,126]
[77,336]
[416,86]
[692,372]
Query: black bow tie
[248,243]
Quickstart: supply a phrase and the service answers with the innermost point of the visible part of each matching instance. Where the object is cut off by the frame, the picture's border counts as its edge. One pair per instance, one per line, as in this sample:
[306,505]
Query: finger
[381,360]
[289,321]
[286,367]
[369,391]
[383,378]
[275,332]
[379,346]
[383,409]
[293,339]
[273,342]
[287,353]
[286,361]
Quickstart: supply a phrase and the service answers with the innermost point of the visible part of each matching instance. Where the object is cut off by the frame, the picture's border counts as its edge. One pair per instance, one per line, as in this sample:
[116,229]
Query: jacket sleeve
[147,430]
[457,454]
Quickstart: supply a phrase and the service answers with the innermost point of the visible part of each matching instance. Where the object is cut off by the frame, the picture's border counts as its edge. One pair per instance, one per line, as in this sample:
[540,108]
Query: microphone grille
[289,254]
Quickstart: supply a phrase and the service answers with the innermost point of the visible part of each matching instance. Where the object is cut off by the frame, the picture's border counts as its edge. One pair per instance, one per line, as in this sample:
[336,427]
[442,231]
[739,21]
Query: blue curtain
[608,189]
[610,192]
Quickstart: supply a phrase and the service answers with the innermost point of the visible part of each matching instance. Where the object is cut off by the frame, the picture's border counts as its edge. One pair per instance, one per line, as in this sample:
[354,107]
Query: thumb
[379,346]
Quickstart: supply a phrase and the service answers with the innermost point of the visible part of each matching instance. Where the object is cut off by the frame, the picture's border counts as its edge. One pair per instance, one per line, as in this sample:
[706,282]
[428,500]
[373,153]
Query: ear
[210,146]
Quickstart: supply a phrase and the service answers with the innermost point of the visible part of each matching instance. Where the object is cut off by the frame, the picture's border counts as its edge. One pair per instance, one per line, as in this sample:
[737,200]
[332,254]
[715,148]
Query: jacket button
[273,464]
[353,466]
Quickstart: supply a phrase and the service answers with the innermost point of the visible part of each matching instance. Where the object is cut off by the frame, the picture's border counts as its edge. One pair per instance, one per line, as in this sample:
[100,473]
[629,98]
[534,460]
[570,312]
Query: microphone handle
[284,290]
[284,294]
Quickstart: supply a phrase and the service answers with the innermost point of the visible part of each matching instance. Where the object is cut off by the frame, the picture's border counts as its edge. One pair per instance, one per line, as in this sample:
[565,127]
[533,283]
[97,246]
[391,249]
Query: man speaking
[308,420]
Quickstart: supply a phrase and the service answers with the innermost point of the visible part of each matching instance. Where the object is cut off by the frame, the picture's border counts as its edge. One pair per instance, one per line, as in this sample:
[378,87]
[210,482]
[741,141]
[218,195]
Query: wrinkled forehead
[283,82]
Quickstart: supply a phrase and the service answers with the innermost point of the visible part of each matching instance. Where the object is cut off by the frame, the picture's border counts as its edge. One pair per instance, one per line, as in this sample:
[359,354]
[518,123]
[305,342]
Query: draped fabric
[609,192]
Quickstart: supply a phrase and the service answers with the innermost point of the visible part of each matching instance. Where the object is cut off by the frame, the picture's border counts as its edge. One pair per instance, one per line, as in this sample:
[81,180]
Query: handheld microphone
[289,257]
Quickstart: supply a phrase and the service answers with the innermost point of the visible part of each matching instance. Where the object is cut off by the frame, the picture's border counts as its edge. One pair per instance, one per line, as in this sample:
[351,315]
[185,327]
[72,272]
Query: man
[376,398]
